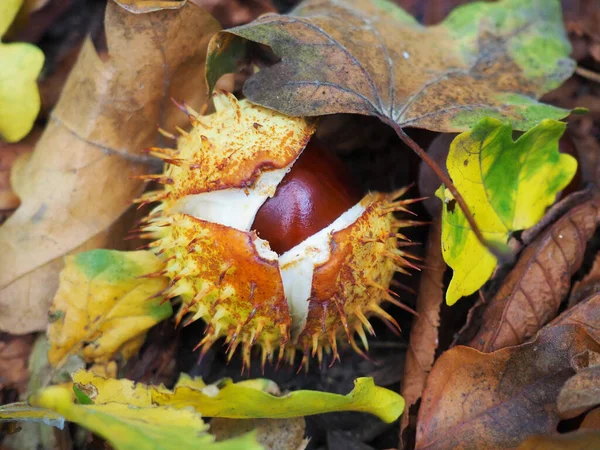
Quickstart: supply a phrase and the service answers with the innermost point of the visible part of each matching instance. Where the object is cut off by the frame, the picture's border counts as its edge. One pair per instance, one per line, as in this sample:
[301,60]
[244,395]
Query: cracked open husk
[322,290]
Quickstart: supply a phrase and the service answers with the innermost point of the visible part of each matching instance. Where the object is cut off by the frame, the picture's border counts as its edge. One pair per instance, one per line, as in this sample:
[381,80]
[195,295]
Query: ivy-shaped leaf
[20,65]
[507,184]
[370,57]
[105,305]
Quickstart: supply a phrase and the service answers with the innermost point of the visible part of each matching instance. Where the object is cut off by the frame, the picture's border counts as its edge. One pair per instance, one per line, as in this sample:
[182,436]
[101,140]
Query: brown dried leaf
[588,285]
[14,357]
[577,440]
[580,393]
[592,420]
[532,292]
[496,400]
[423,340]
[78,181]
[586,313]
[372,58]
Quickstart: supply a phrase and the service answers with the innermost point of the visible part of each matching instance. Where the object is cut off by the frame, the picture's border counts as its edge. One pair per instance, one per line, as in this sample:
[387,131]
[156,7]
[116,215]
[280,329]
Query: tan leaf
[532,292]
[497,400]
[423,340]
[79,179]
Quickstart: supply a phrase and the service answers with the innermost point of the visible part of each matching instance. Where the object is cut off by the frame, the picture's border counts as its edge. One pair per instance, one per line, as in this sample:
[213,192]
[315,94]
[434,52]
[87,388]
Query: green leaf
[20,65]
[369,57]
[507,185]
[246,399]
[128,427]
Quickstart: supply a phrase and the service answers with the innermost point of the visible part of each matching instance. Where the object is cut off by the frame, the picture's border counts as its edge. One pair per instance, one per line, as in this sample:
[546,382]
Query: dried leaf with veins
[576,440]
[586,313]
[496,400]
[588,285]
[372,58]
[423,340]
[580,393]
[14,355]
[533,291]
[106,116]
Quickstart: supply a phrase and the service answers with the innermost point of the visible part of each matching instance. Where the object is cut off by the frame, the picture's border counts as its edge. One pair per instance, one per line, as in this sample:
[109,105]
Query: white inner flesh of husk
[237,208]
[298,264]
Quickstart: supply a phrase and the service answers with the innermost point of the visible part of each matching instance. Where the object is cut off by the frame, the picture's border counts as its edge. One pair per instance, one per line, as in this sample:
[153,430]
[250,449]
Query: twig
[587,73]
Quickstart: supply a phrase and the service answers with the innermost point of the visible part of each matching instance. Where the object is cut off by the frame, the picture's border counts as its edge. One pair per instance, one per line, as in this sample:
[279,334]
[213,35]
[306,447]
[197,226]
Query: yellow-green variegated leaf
[104,305]
[20,65]
[245,399]
[507,184]
[150,427]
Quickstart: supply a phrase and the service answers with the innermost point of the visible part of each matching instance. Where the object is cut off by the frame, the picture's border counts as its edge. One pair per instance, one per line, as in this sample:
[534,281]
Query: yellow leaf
[105,305]
[23,411]
[128,427]
[243,400]
[507,184]
[20,65]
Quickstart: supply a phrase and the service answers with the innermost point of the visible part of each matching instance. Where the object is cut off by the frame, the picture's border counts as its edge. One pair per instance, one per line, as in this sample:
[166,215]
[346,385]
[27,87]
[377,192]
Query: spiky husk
[219,273]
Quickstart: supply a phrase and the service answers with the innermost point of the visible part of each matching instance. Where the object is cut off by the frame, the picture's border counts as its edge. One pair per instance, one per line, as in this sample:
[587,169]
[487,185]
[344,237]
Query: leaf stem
[502,254]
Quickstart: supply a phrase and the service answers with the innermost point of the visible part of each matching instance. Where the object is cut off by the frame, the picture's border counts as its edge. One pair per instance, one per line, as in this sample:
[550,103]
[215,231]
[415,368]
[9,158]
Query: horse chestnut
[265,238]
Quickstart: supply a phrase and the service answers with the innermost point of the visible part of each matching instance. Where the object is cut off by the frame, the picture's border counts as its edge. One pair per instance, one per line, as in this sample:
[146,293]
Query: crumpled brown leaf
[423,340]
[576,440]
[586,313]
[78,181]
[532,292]
[496,400]
[580,392]
[14,357]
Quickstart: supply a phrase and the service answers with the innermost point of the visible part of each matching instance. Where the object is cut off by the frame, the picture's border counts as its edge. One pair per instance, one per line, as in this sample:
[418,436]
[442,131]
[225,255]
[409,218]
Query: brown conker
[315,192]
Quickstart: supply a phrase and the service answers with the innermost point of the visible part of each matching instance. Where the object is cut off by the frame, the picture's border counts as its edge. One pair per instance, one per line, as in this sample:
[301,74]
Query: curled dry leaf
[423,340]
[533,291]
[591,420]
[580,393]
[588,285]
[14,356]
[586,313]
[372,58]
[106,116]
[576,440]
[496,400]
